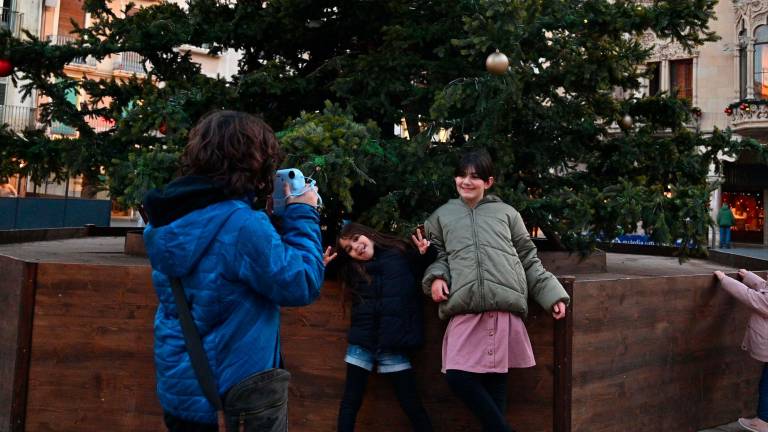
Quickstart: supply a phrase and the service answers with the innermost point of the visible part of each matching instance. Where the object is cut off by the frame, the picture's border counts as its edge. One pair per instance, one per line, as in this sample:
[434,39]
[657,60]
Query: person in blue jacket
[235,267]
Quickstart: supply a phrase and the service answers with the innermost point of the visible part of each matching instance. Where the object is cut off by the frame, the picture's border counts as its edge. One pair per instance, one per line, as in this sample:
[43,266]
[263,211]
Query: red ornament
[728,111]
[163,128]
[744,107]
[6,67]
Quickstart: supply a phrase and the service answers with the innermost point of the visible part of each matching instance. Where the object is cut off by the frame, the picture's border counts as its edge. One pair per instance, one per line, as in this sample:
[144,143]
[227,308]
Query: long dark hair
[236,150]
[350,269]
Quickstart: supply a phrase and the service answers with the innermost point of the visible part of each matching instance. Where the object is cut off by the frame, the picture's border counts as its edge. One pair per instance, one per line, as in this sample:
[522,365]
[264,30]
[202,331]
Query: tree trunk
[90,186]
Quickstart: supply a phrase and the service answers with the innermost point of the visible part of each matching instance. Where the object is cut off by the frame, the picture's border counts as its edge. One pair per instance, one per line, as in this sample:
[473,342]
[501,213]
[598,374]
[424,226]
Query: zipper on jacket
[477,259]
[241,422]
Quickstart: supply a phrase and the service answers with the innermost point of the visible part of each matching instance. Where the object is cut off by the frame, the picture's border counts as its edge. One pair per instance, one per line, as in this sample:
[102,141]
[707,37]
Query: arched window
[761,62]
[743,64]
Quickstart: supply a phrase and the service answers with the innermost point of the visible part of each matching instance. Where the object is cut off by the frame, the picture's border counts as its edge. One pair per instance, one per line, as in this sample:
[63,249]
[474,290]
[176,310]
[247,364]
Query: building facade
[727,81]
[53,20]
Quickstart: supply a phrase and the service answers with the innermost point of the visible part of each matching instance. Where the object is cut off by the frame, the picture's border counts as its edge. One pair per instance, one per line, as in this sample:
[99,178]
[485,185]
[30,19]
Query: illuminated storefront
[748,215]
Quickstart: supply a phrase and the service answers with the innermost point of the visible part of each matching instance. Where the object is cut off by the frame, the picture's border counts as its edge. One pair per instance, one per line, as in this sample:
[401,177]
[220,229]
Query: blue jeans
[762,399]
[385,361]
[725,237]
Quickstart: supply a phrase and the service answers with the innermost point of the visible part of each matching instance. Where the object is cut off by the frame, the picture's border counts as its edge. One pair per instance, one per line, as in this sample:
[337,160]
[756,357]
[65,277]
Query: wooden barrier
[635,353]
[659,354]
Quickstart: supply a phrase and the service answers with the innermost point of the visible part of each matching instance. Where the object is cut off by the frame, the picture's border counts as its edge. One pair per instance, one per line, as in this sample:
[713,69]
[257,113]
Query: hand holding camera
[290,186]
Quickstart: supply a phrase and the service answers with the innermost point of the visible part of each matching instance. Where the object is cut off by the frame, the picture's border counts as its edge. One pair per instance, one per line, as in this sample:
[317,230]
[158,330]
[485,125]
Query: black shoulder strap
[196,353]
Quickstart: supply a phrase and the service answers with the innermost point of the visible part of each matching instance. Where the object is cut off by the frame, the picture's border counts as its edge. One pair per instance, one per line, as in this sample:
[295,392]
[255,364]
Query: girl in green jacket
[485,271]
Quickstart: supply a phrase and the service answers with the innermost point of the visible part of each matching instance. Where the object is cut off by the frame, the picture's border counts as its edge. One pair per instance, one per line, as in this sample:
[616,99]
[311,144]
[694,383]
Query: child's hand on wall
[720,275]
[558,310]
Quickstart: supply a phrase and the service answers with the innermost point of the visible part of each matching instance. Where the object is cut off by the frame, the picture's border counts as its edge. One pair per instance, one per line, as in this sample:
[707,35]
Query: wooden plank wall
[16,303]
[659,354]
[91,366]
[314,343]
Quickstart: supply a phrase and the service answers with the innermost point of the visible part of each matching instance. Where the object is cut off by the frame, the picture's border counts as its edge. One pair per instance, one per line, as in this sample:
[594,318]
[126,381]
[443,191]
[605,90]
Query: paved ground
[730,427]
[754,251]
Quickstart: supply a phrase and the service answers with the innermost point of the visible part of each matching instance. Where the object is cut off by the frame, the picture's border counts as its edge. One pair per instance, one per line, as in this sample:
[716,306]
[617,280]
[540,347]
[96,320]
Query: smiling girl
[486,268]
[380,273]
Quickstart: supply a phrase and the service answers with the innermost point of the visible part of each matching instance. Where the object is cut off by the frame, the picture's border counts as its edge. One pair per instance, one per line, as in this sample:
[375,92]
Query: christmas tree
[336,76]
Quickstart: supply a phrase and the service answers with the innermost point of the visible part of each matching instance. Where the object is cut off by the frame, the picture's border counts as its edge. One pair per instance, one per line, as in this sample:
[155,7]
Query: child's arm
[439,268]
[755,300]
[751,280]
[542,285]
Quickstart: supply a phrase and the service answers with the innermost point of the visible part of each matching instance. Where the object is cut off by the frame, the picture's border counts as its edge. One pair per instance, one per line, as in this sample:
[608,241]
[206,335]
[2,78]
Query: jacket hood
[184,218]
[180,197]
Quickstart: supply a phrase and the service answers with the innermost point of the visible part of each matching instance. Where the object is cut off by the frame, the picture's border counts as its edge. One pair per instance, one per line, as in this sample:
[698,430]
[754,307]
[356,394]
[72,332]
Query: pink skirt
[488,342]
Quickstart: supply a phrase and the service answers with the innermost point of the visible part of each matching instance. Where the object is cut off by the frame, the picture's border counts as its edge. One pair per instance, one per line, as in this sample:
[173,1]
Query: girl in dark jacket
[379,273]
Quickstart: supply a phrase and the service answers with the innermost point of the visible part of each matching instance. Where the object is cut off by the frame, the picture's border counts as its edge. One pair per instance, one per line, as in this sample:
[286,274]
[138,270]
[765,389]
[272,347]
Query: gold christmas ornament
[497,63]
[626,122]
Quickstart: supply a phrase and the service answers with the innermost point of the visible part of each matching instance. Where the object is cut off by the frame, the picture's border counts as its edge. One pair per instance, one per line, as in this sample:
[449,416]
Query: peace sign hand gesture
[328,256]
[420,242]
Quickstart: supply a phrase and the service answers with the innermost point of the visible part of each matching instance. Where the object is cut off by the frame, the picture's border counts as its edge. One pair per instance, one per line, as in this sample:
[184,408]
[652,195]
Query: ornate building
[727,81]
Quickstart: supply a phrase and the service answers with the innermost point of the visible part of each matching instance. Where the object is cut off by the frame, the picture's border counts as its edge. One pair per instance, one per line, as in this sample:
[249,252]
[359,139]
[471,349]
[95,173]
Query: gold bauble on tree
[497,63]
[626,122]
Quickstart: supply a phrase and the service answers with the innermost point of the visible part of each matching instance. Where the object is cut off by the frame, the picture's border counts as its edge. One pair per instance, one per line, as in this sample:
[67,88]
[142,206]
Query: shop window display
[748,216]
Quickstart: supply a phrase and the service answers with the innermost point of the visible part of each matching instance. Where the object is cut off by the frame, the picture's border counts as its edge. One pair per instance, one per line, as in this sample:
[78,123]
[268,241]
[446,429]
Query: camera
[297,183]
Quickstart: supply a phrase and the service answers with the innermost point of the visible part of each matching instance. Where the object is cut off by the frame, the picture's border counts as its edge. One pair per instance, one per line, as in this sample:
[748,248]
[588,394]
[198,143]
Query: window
[743,64]
[654,78]
[681,78]
[761,62]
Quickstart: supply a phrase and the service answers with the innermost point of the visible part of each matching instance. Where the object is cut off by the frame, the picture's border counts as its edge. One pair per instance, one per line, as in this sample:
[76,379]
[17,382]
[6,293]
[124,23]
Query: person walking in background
[725,222]
[485,271]
[236,271]
[380,274]
[753,293]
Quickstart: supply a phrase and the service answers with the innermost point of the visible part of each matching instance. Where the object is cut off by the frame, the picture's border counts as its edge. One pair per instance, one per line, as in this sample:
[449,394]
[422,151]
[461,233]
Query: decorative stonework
[750,120]
[753,12]
[665,50]
[751,113]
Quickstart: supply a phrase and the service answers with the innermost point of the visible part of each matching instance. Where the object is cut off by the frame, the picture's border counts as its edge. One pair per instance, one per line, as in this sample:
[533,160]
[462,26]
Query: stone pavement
[730,427]
[754,251]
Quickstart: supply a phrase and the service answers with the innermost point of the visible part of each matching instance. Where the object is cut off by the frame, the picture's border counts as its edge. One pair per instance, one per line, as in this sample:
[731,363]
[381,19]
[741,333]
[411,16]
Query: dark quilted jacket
[387,309]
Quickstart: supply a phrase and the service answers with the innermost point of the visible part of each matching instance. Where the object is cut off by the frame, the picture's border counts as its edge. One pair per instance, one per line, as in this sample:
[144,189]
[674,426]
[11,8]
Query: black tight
[485,394]
[404,383]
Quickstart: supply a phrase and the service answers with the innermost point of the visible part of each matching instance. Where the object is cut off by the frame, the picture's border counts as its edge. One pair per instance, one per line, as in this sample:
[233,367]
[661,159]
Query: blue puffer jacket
[237,271]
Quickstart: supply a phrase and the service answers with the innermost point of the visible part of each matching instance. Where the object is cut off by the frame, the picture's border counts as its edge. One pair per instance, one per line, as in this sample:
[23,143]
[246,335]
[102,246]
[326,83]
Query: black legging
[404,383]
[485,394]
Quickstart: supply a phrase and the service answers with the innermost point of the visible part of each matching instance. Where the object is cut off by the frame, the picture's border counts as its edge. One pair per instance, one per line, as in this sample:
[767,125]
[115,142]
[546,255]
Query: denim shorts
[386,361]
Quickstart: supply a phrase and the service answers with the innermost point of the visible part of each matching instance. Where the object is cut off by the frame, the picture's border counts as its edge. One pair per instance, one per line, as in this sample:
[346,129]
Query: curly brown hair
[236,150]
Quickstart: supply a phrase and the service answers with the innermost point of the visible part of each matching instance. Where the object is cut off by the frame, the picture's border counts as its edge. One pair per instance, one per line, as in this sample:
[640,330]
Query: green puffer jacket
[487,258]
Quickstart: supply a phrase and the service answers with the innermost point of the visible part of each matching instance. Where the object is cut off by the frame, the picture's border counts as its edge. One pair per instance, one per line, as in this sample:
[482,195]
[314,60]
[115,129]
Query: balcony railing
[130,62]
[98,124]
[11,20]
[750,119]
[18,118]
[68,40]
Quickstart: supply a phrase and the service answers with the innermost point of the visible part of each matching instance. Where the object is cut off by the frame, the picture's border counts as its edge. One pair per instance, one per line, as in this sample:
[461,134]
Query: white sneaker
[753,424]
